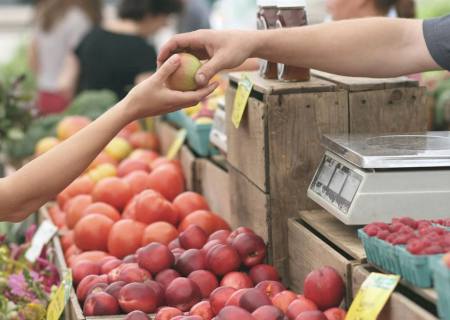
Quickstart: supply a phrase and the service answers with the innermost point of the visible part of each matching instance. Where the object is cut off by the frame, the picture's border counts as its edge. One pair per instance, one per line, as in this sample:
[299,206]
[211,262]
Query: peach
[270,288]
[311,315]
[182,293]
[168,313]
[335,314]
[188,202]
[125,237]
[144,140]
[138,296]
[193,238]
[131,258]
[87,283]
[235,298]
[129,272]
[98,287]
[110,265]
[155,257]
[137,180]
[128,166]
[223,259]
[174,244]
[103,208]
[161,231]
[165,277]
[283,299]
[83,269]
[237,232]
[92,231]
[71,125]
[183,79]
[100,304]
[113,191]
[152,207]
[219,298]
[177,252]
[263,272]
[145,155]
[268,313]
[253,299]
[45,144]
[202,309]
[189,261]
[74,209]
[324,287]
[209,245]
[233,313]
[237,280]
[158,289]
[205,280]
[299,306]
[114,288]
[251,249]
[137,315]
[221,235]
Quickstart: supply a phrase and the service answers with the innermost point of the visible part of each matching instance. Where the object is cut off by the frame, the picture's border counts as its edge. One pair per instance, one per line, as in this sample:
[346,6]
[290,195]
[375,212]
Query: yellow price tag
[240,101]
[372,296]
[176,144]
[60,297]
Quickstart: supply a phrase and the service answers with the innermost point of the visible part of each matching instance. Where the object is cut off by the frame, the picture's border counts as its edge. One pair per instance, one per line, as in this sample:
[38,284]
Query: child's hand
[152,97]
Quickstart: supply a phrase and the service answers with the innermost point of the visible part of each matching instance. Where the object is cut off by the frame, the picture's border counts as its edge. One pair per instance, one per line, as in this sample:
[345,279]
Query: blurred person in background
[60,26]
[195,16]
[116,55]
[349,9]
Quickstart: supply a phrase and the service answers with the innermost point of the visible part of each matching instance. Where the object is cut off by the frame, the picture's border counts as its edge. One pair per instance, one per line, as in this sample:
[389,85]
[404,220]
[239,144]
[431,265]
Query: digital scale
[368,178]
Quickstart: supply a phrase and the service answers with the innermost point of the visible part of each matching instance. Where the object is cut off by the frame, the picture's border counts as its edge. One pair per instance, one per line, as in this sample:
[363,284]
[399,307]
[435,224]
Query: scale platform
[367,178]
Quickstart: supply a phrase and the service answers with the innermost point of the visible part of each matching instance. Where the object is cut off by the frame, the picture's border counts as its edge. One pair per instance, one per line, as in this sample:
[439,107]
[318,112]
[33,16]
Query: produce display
[138,243]
[407,247]
[26,288]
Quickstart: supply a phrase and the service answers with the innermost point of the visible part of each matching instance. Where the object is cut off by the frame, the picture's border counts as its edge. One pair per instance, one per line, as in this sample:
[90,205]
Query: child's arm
[39,181]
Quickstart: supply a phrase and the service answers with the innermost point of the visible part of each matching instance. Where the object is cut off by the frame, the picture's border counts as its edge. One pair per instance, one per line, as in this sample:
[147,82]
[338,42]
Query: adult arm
[371,47]
[40,180]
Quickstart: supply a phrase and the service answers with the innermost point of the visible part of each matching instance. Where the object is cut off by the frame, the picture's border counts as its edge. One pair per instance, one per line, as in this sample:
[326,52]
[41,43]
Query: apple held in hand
[183,79]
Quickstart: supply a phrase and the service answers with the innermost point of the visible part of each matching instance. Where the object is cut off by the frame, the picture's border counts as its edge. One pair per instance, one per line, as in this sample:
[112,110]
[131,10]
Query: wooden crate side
[308,252]
[188,163]
[247,144]
[388,111]
[296,125]
[398,306]
[249,205]
[214,186]
[166,133]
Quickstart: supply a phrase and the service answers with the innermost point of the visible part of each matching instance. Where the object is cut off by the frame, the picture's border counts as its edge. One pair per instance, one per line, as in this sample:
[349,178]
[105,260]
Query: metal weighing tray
[422,150]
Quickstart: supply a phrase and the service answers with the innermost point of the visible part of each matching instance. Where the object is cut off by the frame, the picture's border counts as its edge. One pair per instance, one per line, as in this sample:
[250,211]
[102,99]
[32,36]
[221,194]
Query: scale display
[367,178]
[336,183]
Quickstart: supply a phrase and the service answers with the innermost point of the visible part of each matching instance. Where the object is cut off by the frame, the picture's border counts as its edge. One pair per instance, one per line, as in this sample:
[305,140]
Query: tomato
[75,209]
[188,202]
[92,231]
[125,237]
[167,180]
[81,185]
[113,191]
[152,207]
[104,209]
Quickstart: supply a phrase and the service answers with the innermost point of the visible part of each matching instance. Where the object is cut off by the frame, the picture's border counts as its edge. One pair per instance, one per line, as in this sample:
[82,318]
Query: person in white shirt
[60,26]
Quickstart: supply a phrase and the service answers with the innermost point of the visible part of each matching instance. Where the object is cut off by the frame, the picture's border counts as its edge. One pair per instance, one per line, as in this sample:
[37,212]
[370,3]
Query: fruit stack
[441,277]
[407,247]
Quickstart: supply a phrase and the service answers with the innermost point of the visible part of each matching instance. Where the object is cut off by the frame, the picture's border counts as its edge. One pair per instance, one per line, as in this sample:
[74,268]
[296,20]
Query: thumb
[208,70]
[169,67]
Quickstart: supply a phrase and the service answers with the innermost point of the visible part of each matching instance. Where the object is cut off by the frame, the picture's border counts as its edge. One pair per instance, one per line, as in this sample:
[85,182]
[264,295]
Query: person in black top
[116,55]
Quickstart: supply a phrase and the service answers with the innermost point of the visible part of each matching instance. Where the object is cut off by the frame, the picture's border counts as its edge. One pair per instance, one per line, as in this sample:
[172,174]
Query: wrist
[125,111]
[258,41]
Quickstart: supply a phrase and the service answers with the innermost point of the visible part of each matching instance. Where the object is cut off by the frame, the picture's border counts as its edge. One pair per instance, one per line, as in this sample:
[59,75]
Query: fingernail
[201,79]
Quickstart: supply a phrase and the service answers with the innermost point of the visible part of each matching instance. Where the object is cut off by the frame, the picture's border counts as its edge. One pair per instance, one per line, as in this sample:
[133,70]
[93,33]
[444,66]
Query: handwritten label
[240,101]
[176,144]
[42,236]
[372,296]
[60,297]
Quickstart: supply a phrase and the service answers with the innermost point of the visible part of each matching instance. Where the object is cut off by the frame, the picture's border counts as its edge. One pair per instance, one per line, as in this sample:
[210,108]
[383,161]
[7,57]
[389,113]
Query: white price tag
[42,236]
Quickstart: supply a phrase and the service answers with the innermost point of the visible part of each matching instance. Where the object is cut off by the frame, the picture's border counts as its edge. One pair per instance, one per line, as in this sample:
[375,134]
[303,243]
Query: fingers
[167,68]
[190,98]
[194,42]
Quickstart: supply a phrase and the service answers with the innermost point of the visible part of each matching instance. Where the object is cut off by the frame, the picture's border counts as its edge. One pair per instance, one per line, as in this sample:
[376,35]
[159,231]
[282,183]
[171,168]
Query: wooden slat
[214,186]
[188,163]
[391,110]
[249,205]
[296,125]
[343,236]
[355,84]
[166,133]
[247,147]
[308,252]
[398,306]
[270,87]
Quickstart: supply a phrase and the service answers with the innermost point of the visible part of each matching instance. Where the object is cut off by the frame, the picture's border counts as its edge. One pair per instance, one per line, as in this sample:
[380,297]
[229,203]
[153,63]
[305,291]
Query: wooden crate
[399,306]
[213,184]
[276,150]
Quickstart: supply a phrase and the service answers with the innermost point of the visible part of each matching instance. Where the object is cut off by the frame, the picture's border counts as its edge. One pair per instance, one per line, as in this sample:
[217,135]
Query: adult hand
[222,50]
[152,97]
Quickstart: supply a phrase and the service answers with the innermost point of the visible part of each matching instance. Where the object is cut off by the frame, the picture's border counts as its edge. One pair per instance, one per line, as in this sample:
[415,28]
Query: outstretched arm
[40,180]
[371,47]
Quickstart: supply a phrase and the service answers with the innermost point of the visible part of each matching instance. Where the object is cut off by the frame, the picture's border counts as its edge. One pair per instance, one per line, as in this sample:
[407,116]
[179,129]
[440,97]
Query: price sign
[372,296]
[42,236]
[240,101]
[60,297]
[177,143]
